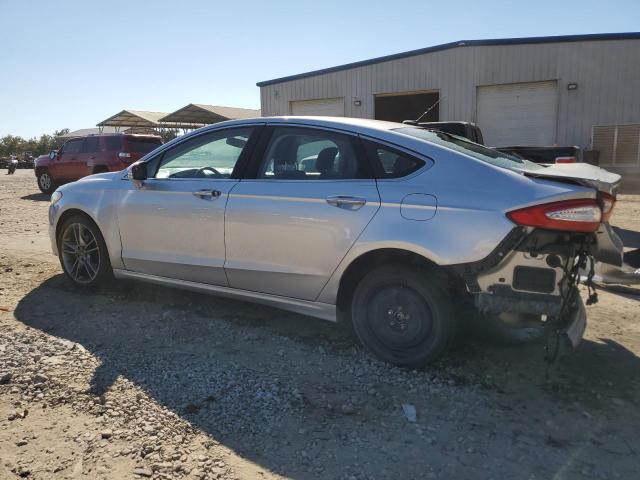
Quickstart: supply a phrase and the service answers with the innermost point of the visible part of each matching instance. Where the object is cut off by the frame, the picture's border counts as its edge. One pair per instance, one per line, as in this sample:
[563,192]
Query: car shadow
[189,352]
[630,238]
[37,197]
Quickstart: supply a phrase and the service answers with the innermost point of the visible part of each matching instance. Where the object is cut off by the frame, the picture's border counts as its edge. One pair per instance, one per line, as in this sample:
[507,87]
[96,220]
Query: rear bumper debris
[576,323]
[504,299]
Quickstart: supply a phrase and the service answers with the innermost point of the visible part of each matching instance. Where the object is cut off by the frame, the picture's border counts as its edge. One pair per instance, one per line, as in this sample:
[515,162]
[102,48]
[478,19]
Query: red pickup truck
[84,156]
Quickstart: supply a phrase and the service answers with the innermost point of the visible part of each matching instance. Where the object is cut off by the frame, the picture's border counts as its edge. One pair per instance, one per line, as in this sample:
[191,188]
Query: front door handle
[207,193]
[346,202]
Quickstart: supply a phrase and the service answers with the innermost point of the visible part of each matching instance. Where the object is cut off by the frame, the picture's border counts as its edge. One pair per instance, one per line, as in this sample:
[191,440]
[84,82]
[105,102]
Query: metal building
[579,90]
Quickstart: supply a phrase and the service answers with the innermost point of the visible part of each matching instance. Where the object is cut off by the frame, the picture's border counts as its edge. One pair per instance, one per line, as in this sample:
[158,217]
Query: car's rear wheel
[45,182]
[402,316]
[83,252]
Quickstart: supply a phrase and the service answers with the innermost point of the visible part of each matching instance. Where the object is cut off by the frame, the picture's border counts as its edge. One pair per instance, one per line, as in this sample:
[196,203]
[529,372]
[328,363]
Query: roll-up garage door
[617,144]
[332,107]
[518,113]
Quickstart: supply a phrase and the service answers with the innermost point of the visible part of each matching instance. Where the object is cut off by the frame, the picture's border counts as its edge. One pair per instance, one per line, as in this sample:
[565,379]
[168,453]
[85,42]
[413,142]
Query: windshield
[462,145]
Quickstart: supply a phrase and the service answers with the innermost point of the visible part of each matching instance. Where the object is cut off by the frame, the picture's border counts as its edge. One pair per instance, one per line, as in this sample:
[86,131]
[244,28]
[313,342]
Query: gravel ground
[139,381]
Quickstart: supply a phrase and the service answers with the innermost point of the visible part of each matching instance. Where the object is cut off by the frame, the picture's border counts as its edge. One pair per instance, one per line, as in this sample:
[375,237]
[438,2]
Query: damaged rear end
[536,269]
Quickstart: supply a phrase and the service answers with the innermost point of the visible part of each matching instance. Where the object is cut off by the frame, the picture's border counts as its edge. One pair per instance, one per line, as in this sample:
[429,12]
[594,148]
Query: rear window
[142,145]
[462,145]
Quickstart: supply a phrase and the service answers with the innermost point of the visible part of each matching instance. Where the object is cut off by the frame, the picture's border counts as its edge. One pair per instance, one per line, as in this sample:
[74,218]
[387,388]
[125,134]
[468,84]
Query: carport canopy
[196,114]
[134,118]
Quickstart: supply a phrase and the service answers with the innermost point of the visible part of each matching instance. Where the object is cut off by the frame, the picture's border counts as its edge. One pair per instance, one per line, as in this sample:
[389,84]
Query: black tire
[93,267]
[46,184]
[402,316]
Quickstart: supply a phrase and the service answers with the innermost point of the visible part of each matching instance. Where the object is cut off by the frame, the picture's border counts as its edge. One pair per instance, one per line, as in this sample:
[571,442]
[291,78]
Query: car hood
[104,175]
[581,173]
[42,160]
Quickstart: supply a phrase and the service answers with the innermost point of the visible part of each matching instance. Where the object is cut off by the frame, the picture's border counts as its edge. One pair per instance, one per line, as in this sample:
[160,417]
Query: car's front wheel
[83,252]
[45,182]
[402,316]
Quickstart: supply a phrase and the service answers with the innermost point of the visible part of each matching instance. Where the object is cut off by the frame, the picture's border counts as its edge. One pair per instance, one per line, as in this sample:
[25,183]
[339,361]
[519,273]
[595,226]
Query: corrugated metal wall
[607,74]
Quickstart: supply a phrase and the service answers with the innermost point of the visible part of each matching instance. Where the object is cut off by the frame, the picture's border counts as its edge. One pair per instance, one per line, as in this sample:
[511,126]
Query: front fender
[99,202]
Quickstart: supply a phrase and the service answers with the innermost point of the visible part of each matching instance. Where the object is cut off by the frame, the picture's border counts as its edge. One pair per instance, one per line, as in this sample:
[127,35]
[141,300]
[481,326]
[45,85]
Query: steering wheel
[216,173]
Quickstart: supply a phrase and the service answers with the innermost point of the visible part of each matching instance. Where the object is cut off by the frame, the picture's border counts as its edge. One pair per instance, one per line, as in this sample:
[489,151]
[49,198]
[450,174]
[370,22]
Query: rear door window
[308,154]
[142,145]
[114,144]
[91,144]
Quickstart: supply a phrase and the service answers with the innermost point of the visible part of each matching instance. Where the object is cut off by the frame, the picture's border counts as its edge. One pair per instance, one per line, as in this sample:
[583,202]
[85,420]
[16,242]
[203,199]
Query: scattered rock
[22,471]
[18,414]
[143,472]
[409,412]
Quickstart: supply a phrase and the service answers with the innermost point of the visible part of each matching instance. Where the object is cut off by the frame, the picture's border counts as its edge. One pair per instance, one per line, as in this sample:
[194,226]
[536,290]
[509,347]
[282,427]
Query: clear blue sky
[74,63]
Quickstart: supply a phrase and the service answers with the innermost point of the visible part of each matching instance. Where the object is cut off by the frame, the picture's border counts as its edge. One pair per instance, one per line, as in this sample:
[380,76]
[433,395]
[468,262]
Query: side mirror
[138,171]
[53,154]
[236,142]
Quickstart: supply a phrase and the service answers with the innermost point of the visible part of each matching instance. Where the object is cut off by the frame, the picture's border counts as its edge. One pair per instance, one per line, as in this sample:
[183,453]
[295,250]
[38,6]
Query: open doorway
[407,106]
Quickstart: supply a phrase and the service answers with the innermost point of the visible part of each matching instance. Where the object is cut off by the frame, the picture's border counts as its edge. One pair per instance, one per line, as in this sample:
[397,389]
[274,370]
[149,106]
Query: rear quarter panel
[472,198]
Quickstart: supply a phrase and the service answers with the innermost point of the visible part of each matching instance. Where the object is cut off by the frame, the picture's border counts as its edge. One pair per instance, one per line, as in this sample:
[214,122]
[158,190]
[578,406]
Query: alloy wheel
[80,253]
[45,181]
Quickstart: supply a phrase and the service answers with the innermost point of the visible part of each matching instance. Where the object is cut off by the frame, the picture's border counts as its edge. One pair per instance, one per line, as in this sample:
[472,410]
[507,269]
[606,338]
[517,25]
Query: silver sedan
[392,227]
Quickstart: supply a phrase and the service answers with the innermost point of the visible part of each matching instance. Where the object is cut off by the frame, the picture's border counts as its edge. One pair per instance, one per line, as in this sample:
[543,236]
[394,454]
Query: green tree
[169,134]
[15,145]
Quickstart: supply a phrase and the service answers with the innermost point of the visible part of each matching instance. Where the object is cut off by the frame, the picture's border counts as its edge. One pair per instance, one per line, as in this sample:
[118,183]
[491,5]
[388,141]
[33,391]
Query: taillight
[566,160]
[582,215]
[607,203]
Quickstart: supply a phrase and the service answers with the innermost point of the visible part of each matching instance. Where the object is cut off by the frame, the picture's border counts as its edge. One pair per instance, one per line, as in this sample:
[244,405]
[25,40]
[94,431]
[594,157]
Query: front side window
[213,155]
[308,154]
[73,146]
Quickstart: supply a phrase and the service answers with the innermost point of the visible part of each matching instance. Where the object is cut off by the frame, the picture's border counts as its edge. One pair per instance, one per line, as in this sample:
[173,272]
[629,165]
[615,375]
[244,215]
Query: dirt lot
[139,381]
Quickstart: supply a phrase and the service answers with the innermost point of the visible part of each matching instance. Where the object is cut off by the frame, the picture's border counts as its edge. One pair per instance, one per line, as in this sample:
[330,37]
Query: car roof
[119,134]
[359,125]
[377,129]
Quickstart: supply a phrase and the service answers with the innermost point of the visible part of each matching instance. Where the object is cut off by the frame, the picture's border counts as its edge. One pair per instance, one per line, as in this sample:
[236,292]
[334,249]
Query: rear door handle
[207,193]
[346,202]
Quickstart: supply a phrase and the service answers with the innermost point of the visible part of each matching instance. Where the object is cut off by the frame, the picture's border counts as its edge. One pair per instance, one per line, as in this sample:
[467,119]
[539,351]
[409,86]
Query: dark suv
[84,156]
